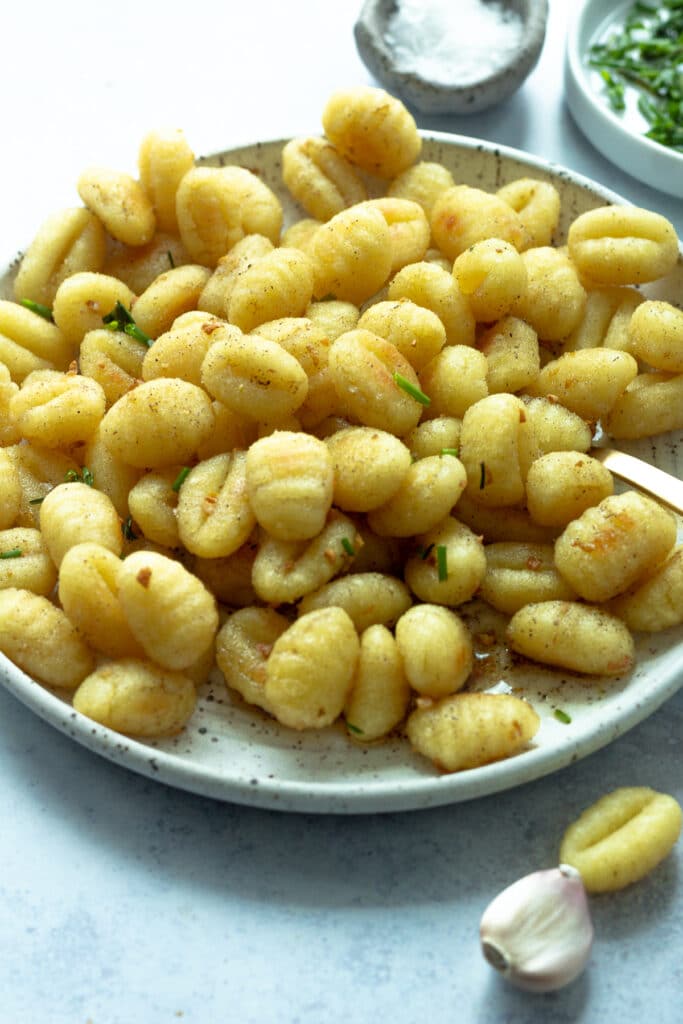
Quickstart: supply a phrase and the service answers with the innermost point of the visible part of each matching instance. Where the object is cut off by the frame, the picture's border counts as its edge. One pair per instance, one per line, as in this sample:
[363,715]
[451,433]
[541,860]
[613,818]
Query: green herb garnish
[180,479]
[450,451]
[442,562]
[37,501]
[127,529]
[647,54]
[354,728]
[39,308]
[73,476]
[121,319]
[404,384]
[170,259]
[12,553]
[348,546]
[482,476]
[562,716]
[424,553]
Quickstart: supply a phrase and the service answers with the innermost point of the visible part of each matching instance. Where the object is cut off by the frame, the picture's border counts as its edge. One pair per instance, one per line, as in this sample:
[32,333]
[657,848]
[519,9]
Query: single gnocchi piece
[380,694]
[120,202]
[368,598]
[375,384]
[417,333]
[113,360]
[436,648]
[39,638]
[469,730]
[68,242]
[279,284]
[554,299]
[28,342]
[463,215]
[216,293]
[579,637]
[496,449]
[160,423]
[320,178]
[538,205]
[84,299]
[310,670]
[243,646]
[493,277]
[88,592]
[560,486]
[622,837]
[428,491]
[39,470]
[253,376]
[622,245]
[213,513]
[285,571]
[606,319]
[655,335]
[614,544]
[369,467]
[289,480]
[137,698]
[172,293]
[448,565]
[153,501]
[423,183]
[138,266]
[512,355]
[651,404]
[454,380]
[218,206]
[372,129]
[170,612]
[438,436]
[10,491]
[408,229]
[75,512]
[25,562]
[588,382]
[58,409]
[164,158]
[519,573]
[555,427]
[657,602]
[351,254]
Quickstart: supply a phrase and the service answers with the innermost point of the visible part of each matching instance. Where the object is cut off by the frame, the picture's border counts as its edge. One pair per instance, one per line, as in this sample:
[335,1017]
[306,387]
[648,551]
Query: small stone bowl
[470,97]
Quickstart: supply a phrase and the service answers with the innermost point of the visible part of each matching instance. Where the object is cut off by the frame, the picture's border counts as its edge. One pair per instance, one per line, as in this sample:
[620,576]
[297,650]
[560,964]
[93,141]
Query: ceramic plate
[618,136]
[231,752]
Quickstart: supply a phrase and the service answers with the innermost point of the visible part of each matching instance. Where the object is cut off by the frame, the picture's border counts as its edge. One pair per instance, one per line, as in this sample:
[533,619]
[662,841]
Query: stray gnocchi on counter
[287,452]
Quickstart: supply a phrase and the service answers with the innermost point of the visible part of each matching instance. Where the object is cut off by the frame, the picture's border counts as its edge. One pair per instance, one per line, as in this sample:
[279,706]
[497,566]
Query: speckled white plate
[619,136]
[231,752]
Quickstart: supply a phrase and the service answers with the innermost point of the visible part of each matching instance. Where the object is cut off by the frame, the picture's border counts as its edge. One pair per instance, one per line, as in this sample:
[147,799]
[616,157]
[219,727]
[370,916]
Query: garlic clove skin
[538,932]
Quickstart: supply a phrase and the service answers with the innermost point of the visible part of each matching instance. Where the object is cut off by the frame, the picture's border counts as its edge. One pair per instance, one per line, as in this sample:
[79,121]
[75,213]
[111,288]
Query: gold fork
[667,488]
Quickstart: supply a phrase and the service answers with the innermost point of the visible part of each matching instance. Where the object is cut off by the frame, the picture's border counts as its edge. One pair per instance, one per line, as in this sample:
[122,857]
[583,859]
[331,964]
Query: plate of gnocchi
[300,498]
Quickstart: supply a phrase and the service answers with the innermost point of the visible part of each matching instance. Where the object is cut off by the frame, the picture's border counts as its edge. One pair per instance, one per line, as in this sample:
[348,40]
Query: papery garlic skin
[538,932]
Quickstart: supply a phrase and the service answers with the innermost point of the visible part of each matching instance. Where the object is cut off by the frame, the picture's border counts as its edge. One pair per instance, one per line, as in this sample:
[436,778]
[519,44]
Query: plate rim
[291,795]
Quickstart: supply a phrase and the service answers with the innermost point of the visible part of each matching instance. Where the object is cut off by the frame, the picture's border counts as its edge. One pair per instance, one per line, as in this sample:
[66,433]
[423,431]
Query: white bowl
[618,136]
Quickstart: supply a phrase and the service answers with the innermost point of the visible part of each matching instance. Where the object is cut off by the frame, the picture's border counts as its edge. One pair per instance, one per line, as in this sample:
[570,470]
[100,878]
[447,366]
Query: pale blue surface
[123,901]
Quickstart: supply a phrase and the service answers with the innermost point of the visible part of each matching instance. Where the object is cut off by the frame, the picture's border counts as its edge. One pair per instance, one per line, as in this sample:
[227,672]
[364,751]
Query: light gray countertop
[125,901]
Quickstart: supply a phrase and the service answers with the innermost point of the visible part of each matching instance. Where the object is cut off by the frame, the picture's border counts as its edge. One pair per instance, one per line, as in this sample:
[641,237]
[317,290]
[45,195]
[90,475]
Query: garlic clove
[538,932]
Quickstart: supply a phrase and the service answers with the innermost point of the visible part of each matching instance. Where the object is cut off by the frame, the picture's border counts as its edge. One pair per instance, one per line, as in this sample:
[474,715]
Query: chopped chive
[424,553]
[37,501]
[12,553]
[482,476]
[112,325]
[411,390]
[354,728]
[442,562]
[348,546]
[170,259]
[562,716]
[450,451]
[72,476]
[119,315]
[39,308]
[88,477]
[133,331]
[127,529]
[180,479]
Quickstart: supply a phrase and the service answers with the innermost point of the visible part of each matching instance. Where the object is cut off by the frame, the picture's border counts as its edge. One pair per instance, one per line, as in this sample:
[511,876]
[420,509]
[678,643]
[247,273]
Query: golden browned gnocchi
[298,452]
[622,837]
